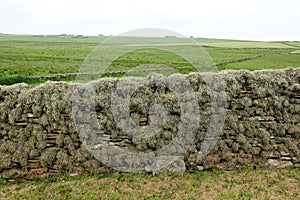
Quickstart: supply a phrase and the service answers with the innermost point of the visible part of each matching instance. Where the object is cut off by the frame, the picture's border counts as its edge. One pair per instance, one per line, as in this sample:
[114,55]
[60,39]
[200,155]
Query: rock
[30,115]
[11,173]
[286,158]
[279,164]
[297,165]
[284,153]
[148,168]
[168,164]
[44,128]
[74,174]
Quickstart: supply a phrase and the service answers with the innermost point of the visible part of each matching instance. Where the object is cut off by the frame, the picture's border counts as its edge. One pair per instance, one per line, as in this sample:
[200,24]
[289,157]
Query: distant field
[96,40]
[273,61]
[55,39]
[40,58]
[223,54]
[294,43]
[297,51]
[149,56]
[28,56]
[233,44]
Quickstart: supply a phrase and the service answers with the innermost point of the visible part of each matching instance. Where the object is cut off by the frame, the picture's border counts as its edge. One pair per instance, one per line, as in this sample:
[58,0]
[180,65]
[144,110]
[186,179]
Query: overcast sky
[234,19]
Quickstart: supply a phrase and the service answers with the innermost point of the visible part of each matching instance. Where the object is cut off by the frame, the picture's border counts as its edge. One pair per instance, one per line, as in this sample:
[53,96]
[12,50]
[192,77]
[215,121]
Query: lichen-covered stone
[261,125]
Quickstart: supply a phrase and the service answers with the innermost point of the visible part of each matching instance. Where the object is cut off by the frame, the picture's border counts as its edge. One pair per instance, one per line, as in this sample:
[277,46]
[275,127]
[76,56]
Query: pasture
[247,44]
[25,58]
[297,51]
[37,58]
[271,61]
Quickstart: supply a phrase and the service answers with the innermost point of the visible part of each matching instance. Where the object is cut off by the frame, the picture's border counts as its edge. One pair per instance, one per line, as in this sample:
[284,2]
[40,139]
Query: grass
[148,56]
[23,57]
[179,64]
[35,58]
[247,44]
[50,39]
[294,43]
[297,51]
[240,184]
[223,54]
[10,80]
[272,61]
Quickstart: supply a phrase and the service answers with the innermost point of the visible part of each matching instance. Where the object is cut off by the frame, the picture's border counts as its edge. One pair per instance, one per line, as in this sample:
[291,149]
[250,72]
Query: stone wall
[38,135]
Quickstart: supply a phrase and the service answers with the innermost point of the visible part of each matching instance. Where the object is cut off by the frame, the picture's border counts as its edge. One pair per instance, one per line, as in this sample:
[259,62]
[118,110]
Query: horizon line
[166,36]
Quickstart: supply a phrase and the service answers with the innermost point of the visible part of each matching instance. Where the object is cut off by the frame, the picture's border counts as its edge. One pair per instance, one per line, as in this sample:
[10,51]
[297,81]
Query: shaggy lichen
[40,125]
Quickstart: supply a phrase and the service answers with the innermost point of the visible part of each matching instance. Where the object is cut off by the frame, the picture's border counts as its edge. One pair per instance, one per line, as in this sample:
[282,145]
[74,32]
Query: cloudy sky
[234,19]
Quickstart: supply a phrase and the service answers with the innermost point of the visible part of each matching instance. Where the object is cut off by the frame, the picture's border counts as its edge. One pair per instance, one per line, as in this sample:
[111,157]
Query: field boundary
[262,129]
[114,73]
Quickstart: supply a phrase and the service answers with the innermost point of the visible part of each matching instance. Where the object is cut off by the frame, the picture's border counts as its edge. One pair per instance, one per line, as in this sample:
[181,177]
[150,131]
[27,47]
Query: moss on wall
[38,135]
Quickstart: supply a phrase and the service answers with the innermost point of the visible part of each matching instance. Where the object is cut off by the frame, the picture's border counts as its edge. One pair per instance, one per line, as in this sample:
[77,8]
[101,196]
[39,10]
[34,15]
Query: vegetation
[28,58]
[10,80]
[294,43]
[272,61]
[241,184]
[24,57]
[35,58]
[50,39]
[246,44]
[297,51]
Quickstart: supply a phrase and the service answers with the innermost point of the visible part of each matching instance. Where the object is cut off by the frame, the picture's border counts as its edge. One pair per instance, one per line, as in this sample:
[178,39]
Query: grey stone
[279,164]
[297,165]
[284,153]
[267,119]
[285,158]
[169,164]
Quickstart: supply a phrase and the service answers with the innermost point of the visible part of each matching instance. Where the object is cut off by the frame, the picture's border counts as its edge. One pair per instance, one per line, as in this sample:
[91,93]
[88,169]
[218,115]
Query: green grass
[297,51]
[212,40]
[36,58]
[148,56]
[223,54]
[51,39]
[240,184]
[10,80]
[44,58]
[247,44]
[26,56]
[294,43]
[273,61]
[179,64]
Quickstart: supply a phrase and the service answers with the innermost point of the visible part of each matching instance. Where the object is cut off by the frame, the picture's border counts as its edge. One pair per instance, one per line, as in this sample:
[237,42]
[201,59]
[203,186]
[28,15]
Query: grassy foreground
[239,184]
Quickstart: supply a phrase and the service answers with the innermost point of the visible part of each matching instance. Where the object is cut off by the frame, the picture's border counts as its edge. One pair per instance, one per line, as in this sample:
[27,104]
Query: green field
[294,43]
[41,58]
[239,184]
[50,39]
[273,61]
[273,45]
[297,51]
[24,58]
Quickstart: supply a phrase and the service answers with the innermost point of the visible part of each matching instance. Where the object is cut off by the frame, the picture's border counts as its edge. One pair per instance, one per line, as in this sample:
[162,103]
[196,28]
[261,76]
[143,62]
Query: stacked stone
[38,134]
[262,126]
